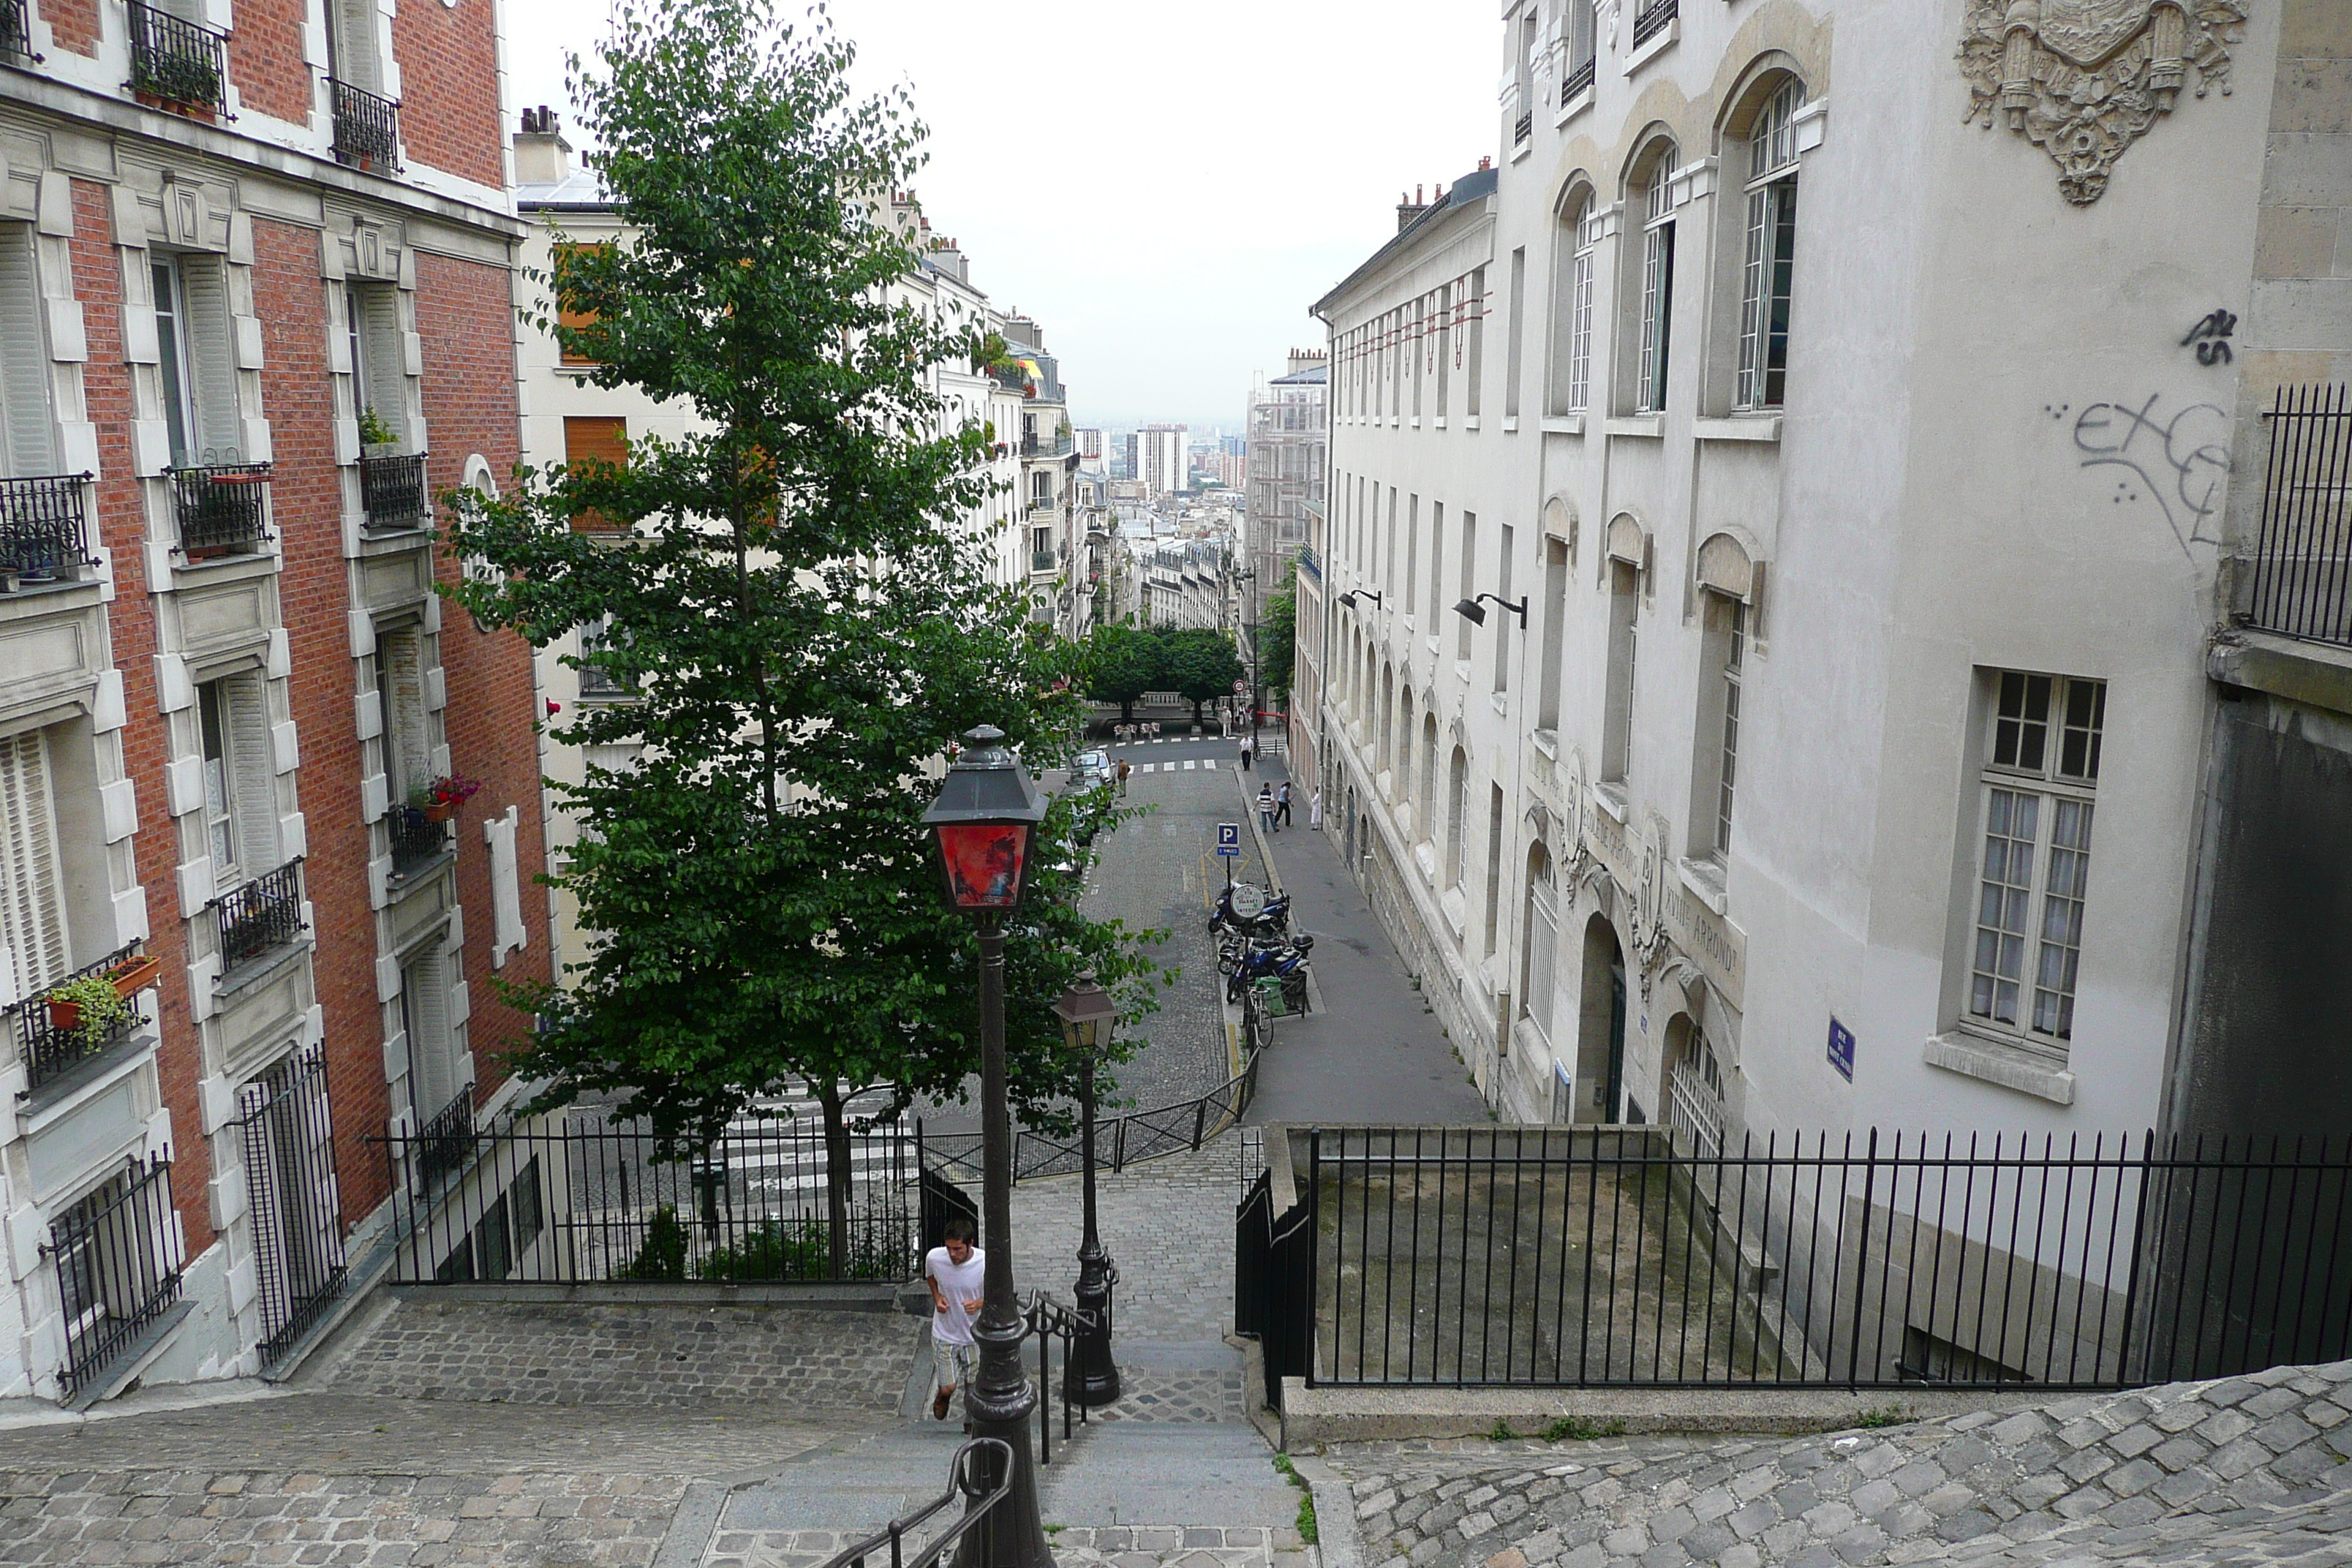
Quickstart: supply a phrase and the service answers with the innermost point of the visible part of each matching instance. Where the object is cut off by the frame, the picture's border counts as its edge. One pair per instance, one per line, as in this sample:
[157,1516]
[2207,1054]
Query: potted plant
[440,799]
[184,82]
[376,440]
[89,1008]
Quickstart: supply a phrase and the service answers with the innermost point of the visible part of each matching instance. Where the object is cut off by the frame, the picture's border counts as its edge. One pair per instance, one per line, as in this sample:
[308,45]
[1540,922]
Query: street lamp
[985,817]
[1475,613]
[1088,1018]
[1347,601]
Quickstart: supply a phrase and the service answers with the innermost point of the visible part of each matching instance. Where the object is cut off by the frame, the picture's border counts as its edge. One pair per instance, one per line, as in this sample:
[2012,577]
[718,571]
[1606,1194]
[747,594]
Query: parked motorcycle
[1243,962]
[1272,918]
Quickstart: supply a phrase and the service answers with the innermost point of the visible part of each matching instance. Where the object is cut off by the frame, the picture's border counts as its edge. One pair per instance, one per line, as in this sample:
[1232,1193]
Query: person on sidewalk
[1122,776]
[1314,810]
[1282,806]
[1247,747]
[955,1270]
[1266,807]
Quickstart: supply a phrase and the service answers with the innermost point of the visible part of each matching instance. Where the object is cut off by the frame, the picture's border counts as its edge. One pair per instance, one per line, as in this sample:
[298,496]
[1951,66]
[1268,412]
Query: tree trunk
[1127,710]
[836,1176]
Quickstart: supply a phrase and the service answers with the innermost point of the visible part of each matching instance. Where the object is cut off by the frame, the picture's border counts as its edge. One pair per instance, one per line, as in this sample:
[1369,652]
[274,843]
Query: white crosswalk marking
[1143,767]
[1209,763]
[1188,765]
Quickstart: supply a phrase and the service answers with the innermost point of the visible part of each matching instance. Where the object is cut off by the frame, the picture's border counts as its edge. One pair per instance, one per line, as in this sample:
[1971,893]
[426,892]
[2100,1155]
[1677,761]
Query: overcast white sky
[1166,187]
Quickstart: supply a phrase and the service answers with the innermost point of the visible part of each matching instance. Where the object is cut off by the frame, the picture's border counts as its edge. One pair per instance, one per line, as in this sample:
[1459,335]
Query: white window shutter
[425,999]
[387,387]
[32,910]
[212,365]
[26,450]
[506,887]
[253,775]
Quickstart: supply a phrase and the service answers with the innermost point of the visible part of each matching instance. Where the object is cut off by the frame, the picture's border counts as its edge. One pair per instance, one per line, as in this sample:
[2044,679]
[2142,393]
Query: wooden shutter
[599,438]
[25,445]
[400,677]
[563,310]
[386,390]
[32,910]
[219,432]
[432,1066]
[253,775]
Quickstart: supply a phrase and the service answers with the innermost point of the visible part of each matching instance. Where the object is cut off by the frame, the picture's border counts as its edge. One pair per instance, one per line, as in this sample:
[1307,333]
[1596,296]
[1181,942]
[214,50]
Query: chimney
[541,155]
[1409,210]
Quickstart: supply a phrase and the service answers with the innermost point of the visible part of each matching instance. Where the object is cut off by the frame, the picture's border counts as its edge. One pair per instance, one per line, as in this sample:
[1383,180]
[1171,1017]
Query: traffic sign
[1241,687]
[1230,851]
[1229,835]
[1248,900]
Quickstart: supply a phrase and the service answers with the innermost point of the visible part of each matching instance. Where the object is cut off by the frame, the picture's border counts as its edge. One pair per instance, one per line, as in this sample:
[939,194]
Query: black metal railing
[611,1201]
[293,1199]
[221,506]
[118,1265]
[2302,563]
[980,1477]
[1043,561]
[1611,1257]
[1579,79]
[1652,18]
[367,128]
[445,1145]
[416,839]
[176,60]
[53,1047]
[44,526]
[1045,1320]
[392,491]
[1522,128]
[16,33]
[260,916]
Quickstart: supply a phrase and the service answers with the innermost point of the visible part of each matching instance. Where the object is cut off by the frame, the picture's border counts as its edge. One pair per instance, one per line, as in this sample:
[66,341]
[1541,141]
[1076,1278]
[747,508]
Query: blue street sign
[1229,836]
[1842,1049]
[1230,851]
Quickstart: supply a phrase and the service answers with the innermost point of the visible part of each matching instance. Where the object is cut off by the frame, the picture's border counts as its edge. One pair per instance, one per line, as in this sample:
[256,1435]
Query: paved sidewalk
[1376,1053]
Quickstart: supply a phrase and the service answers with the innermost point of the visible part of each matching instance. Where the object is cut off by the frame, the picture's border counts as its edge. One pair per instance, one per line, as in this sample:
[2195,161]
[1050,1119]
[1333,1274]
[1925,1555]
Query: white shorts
[953,1363]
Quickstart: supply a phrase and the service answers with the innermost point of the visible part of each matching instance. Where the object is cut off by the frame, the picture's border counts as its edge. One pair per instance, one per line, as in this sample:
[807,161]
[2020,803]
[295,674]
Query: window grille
[119,1262]
[290,1165]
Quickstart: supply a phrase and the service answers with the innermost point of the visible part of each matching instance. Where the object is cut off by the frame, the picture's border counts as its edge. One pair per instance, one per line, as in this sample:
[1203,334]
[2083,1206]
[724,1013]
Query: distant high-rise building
[1091,448]
[1286,441]
[1157,455]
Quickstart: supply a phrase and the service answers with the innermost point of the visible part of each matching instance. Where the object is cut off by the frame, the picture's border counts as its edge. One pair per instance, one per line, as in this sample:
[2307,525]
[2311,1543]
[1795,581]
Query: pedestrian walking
[1266,807]
[956,1271]
[1282,806]
[1122,776]
[1247,747]
[1314,810]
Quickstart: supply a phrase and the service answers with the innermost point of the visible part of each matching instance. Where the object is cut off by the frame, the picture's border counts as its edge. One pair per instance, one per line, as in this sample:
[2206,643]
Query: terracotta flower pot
[64,1015]
[134,975]
[440,811]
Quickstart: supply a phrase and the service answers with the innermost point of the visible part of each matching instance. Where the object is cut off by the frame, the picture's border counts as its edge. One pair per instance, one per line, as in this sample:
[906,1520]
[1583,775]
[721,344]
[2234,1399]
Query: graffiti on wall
[2212,337]
[2176,458]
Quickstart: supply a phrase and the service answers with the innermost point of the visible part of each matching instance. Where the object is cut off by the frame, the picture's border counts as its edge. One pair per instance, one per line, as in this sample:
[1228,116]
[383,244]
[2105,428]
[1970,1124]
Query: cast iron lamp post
[983,819]
[1088,1018]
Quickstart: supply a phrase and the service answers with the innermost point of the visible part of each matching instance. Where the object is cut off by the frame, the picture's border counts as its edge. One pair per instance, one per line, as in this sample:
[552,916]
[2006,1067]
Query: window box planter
[128,978]
[438,811]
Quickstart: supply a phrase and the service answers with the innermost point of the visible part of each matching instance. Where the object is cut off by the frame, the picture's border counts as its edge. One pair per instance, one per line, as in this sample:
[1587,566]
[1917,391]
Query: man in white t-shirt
[955,1270]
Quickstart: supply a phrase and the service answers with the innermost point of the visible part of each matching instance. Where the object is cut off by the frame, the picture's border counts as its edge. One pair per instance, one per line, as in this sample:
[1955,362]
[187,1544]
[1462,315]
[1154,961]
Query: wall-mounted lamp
[1469,609]
[1348,600]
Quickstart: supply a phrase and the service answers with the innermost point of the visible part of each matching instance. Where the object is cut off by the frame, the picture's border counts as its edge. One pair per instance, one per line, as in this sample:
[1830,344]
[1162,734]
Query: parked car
[1090,769]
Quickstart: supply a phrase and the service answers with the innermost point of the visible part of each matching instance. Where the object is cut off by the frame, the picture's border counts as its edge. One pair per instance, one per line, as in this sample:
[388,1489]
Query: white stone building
[1861,582]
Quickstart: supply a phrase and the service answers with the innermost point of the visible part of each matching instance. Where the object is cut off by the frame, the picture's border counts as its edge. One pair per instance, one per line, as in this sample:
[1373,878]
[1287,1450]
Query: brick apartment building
[255,313]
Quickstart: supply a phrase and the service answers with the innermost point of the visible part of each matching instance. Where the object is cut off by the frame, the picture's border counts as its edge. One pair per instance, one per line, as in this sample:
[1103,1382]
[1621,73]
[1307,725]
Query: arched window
[1768,267]
[1428,776]
[1571,308]
[1385,745]
[1457,804]
[1655,327]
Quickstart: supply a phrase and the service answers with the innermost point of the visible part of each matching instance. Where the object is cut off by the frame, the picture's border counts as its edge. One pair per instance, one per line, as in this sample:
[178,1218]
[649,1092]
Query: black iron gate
[289,1169]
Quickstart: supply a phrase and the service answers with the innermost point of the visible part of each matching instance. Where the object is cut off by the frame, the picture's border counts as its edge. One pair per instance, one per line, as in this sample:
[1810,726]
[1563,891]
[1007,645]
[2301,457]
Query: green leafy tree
[1122,664]
[1277,639]
[1201,665]
[791,596]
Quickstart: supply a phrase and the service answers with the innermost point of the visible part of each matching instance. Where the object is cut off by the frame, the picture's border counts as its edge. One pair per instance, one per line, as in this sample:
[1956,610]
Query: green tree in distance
[1122,664]
[1201,665]
[1278,639]
[790,594]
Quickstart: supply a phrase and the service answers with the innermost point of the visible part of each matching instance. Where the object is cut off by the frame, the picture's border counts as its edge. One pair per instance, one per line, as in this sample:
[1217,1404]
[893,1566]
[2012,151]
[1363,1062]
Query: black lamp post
[985,817]
[1088,1018]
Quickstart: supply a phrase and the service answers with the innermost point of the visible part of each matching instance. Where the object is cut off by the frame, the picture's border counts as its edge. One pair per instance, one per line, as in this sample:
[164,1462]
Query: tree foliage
[1201,665]
[1278,639]
[791,594]
[1123,662]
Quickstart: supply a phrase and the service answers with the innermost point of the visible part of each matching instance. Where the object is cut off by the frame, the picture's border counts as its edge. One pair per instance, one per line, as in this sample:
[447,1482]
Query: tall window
[197,378]
[1542,939]
[1494,862]
[1469,582]
[1657,286]
[1583,40]
[1617,718]
[1474,366]
[594,438]
[1457,806]
[33,949]
[1513,351]
[434,1075]
[1770,265]
[26,448]
[1436,562]
[1502,619]
[1418,347]
[1555,631]
[2040,772]
[1571,330]
[240,809]
[1717,771]
[1445,297]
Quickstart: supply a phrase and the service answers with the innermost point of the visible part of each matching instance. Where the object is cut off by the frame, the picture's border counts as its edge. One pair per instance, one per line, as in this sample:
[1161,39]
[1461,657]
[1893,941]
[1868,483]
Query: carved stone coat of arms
[2083,80]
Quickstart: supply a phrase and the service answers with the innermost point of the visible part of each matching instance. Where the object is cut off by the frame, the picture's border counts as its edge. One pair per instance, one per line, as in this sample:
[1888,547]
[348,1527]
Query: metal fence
[2303,563]
[367,128]
[118,1267]
[260,916]
[221,506]
[576,1198]
[1619,1257]
[55,1039]
[292,1198]
[392,491]
[177,61]
[44,526]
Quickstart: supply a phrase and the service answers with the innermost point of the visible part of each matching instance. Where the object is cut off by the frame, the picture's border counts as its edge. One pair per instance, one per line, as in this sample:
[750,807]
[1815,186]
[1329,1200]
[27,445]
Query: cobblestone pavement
[427,1348]
[2244,1469]
[1119,1546]
[1169,1224]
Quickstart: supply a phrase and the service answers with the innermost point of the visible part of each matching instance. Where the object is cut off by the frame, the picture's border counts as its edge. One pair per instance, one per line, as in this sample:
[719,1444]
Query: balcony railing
[2303,564]
[417,838]
[367,128]
[1308,563]
[1651,19]
[263,914]
[16,33]
[178,62]
[442,1142]
[221,507]
[1522,128]
[54,1042]
[392,493]
[1056,446]
[44,527]
[1041,561]
[1579,78]
[118,1267]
